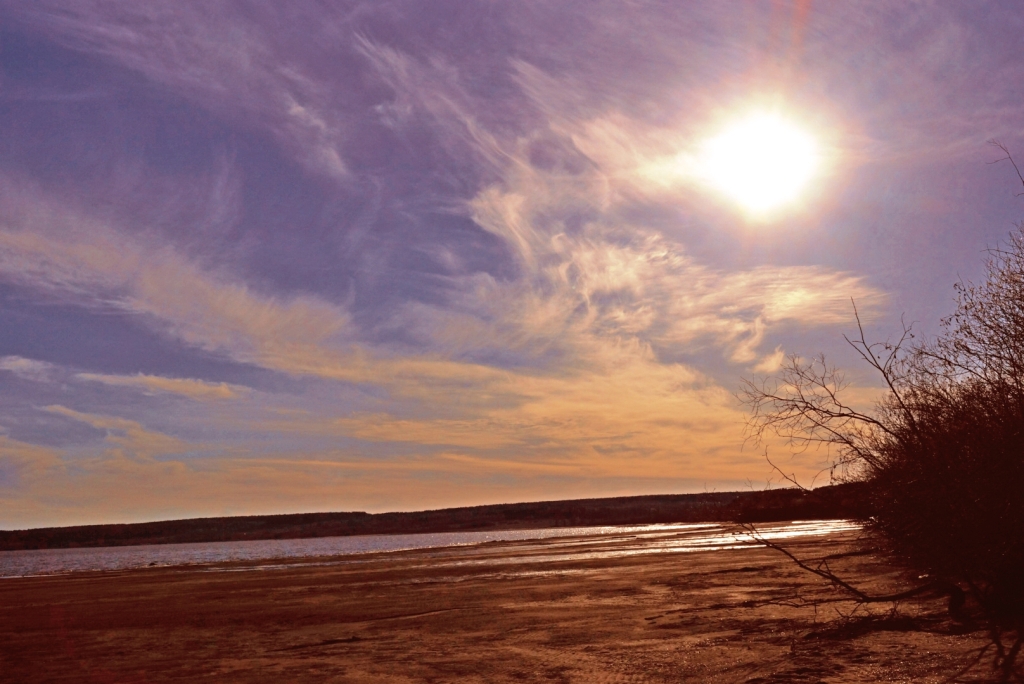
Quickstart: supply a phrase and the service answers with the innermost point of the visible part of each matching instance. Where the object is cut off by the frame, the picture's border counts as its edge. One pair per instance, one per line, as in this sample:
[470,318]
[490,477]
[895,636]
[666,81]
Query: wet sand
[499,612]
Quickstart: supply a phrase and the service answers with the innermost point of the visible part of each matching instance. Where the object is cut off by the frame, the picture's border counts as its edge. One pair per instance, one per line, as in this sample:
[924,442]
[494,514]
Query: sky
[264,257]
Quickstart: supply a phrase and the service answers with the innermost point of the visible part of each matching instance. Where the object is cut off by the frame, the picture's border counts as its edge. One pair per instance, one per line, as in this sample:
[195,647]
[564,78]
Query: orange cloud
[27,368]
[199,390]
[128,437]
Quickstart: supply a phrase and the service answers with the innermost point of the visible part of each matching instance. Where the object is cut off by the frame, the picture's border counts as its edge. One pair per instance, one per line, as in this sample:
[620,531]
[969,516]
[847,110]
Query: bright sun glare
[762,162]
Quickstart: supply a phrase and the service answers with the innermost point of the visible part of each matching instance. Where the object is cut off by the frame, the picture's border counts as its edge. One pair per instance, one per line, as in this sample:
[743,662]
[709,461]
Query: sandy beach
[499,612]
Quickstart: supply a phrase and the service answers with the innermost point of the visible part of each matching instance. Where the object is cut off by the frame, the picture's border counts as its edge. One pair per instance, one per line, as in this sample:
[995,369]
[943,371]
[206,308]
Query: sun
[762,162]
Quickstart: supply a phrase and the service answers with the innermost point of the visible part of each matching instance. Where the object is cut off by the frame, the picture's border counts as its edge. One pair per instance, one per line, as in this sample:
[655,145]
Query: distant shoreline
[836,501]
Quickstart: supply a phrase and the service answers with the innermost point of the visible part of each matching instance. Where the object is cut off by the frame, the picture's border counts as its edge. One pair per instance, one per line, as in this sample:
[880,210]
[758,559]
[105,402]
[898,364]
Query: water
[559,544]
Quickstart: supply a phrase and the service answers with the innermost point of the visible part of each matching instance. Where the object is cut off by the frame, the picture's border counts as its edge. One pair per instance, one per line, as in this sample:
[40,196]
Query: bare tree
[941,452]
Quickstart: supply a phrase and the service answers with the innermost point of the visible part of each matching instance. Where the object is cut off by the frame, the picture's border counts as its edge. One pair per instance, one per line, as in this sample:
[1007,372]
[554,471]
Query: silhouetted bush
[942,453]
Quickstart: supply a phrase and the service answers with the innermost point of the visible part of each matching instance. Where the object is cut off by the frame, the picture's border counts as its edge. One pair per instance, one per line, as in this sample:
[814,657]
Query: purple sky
[264,257]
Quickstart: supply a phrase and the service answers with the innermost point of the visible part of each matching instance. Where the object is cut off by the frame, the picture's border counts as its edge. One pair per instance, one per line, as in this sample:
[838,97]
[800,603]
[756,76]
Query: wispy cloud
[128,437]
[97,265]
[126,434]
[30,369]
[199,390]
[22,465]
[623,280]
[216,57]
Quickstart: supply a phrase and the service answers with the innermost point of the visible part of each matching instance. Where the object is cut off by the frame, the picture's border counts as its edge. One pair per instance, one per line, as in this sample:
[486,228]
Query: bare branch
[1006,151]
[822,570]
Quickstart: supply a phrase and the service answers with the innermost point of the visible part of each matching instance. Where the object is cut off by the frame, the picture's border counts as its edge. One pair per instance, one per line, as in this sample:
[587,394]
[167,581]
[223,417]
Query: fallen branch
[822,570]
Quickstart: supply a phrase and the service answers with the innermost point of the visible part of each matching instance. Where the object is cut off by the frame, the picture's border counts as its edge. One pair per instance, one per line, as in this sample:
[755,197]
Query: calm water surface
[565,543]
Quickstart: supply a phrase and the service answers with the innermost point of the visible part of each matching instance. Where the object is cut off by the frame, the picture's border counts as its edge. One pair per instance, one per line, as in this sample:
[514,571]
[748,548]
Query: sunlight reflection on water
[550,545]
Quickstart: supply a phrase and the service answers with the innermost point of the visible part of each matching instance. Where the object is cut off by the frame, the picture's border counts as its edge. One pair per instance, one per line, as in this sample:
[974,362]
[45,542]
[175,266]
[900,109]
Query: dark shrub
[942,454]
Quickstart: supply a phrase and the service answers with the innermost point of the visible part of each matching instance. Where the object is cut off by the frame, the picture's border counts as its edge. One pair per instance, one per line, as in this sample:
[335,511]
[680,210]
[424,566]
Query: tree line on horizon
[760,506]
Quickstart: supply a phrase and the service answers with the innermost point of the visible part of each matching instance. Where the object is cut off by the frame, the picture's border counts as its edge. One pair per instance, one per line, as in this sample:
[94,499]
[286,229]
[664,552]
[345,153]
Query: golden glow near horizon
[762,162]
